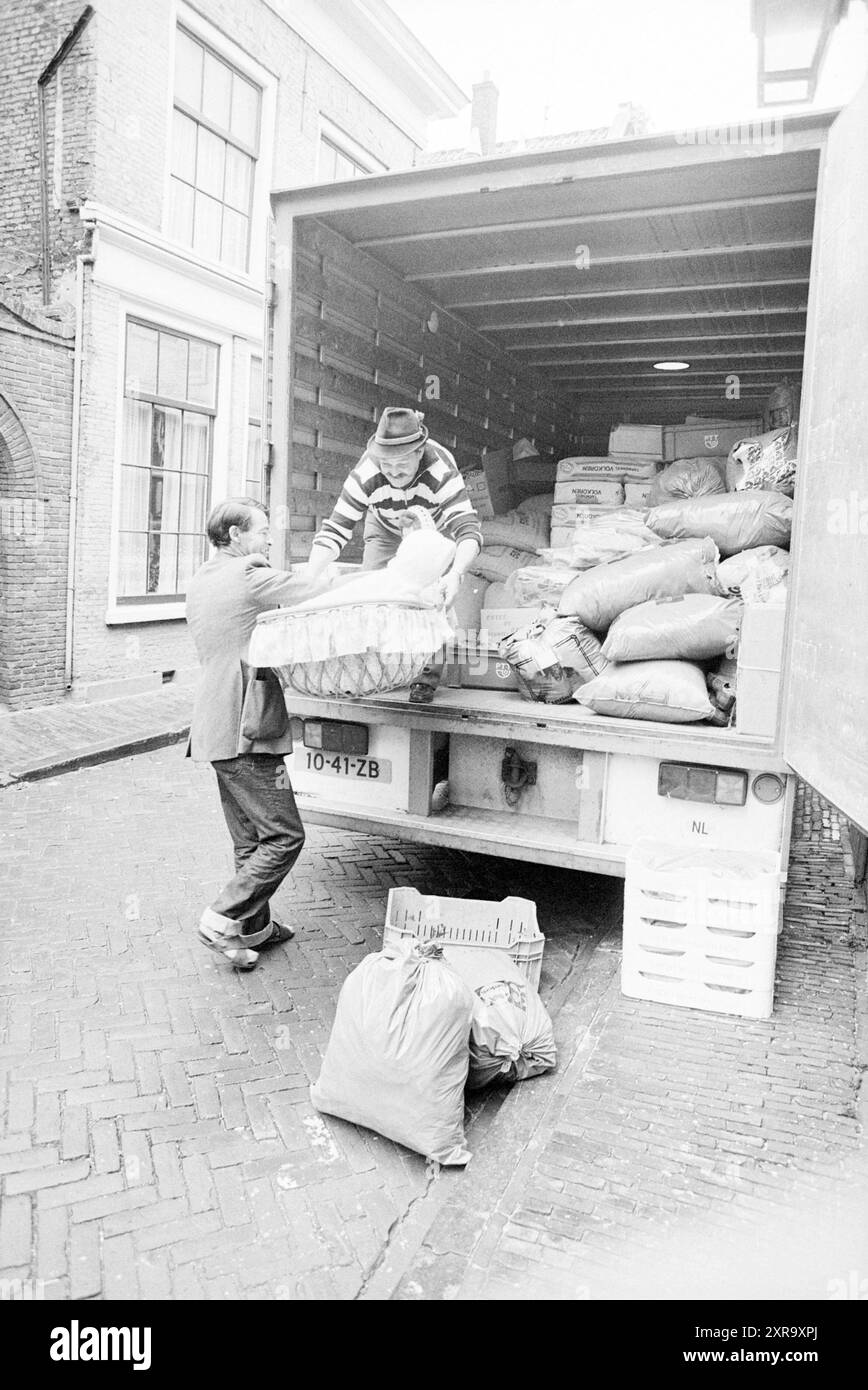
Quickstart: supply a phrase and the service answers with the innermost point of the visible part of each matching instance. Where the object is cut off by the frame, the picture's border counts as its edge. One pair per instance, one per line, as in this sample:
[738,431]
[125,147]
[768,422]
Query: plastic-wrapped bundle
[764,461]
[694,477]
[539,583]
[597,545]
[672,692]
[552,657]
[691,627]
[397,1058]
[511,1034]
[599,595]
[734,520]
[767,562]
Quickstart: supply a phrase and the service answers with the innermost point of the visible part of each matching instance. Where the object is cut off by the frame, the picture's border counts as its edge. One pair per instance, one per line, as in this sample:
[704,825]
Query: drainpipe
[74,455]
[41,83]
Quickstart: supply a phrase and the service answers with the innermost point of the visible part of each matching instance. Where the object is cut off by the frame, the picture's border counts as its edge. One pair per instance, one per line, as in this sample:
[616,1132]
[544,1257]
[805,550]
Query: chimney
[483,116]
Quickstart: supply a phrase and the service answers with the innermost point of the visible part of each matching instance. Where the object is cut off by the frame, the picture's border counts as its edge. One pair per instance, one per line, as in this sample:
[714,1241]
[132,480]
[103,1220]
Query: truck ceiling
[590,264]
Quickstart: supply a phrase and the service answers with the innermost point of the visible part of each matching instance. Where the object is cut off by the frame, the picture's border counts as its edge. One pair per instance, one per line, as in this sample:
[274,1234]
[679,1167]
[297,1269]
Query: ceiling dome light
[671,366]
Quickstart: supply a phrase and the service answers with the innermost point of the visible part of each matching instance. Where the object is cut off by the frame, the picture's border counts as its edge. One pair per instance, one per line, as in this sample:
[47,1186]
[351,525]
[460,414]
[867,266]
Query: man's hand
[449,586]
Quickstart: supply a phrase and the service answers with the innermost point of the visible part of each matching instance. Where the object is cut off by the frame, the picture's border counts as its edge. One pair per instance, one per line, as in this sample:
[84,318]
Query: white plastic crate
[701,928]
[508,926]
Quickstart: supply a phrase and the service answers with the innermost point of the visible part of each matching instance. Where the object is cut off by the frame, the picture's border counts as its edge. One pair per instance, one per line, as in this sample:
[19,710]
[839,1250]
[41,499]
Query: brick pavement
[158,1139]
[70,734]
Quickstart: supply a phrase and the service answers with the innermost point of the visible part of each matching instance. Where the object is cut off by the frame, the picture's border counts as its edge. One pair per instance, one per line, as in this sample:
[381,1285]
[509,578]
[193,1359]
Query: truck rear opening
[531,296]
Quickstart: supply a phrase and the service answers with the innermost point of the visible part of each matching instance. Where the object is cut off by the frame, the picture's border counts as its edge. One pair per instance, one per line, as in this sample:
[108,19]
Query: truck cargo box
[456,288]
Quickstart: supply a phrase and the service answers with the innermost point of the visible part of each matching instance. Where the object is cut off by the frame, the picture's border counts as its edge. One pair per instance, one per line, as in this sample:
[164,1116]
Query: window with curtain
[254,473]
[215,144]
[170,400]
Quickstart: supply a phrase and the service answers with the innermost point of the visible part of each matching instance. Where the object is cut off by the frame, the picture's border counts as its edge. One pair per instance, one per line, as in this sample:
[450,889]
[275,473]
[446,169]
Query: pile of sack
[418,1022]
[656,598]
[648,562]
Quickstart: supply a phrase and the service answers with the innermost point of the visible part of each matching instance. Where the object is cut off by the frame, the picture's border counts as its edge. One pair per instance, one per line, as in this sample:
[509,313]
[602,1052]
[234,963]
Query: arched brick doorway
[28,640]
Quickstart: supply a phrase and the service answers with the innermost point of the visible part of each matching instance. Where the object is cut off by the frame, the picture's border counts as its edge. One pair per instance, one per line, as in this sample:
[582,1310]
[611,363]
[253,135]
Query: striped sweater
[438,487]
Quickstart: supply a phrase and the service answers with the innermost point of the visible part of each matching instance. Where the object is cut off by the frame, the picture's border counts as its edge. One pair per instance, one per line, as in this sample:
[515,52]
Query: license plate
[344,765]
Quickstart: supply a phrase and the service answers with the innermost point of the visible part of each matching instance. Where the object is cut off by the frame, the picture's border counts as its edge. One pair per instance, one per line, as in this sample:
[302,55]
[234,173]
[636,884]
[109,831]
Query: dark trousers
[267,834]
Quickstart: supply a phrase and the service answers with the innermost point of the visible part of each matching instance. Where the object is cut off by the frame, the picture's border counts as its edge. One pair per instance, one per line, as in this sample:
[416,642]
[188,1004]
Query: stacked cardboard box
[591,486]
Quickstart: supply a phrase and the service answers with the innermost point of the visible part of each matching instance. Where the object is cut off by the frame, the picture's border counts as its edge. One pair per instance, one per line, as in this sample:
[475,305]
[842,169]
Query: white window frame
[333,133]
[120,614]
[185,17]
[254,352]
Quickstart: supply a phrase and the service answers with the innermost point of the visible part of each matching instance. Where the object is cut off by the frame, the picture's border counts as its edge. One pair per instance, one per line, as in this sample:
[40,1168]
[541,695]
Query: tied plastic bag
[538,584]
[691,627]
[552,658]
[764,461]
[599,595]
[693,477]
[397,1058]
[511,1034]
[768,563]
[672,692]
[734,520]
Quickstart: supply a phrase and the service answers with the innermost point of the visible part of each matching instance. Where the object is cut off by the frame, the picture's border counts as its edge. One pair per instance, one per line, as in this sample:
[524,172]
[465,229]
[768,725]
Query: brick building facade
[133,260]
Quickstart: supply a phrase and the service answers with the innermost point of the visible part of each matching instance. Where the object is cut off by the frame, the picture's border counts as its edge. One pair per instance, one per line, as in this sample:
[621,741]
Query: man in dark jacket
[240,725]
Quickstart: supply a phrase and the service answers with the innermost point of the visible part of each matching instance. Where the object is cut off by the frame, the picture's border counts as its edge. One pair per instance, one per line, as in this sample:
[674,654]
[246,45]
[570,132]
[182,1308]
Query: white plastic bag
[767,563]
[693,477]
[734,520]
[599,595]
[691,627]
[673,692]
[511,1034]
[397,1058]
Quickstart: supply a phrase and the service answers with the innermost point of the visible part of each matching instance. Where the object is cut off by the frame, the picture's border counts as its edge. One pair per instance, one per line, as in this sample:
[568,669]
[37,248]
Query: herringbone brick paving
[684,1155]
[158,1140]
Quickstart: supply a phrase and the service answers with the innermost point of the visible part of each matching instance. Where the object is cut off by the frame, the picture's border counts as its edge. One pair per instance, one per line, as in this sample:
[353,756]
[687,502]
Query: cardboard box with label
[713,438]
[590,492]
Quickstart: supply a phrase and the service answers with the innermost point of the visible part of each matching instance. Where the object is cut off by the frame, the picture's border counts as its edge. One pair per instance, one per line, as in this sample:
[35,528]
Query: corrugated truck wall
[362,339]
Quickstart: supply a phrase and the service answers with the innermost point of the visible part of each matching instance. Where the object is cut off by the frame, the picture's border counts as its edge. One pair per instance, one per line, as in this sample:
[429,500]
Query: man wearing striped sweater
[400,469]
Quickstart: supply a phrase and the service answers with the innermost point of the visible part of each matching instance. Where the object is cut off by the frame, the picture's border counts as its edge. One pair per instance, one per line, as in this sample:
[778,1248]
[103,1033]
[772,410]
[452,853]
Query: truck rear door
[825,719]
